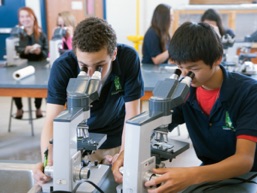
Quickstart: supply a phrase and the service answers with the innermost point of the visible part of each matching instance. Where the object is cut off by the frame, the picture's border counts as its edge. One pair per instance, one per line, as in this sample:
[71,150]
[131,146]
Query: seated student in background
[66,20]
[213,18]
[33,46]
[157,37]
[220,116]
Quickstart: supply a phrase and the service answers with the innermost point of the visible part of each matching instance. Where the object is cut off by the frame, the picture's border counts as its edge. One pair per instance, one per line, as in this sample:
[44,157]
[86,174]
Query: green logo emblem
[228,123]
[117,85]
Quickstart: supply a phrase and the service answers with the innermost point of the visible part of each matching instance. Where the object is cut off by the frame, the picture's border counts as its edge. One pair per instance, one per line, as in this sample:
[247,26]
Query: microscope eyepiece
[99,68]
[188,78]
[191,75]
[176,74]
[84,68]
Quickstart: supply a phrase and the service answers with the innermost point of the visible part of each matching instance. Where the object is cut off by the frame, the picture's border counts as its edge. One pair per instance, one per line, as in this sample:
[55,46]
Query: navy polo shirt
[151,46]
[234,113]
[124,84]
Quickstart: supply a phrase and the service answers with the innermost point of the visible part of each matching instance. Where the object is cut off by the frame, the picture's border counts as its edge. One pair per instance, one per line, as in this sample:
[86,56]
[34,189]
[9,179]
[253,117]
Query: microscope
[71,140]
[138,161]
[247,67]
[56,44]
[12,42]
[245,57]
[227,42]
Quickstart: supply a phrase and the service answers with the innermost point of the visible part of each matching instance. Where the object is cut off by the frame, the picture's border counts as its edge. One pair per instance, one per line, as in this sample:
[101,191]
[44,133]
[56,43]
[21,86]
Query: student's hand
[171,180]
[116,166]
[38,174]
[28,49]
[36,49]
[108,159]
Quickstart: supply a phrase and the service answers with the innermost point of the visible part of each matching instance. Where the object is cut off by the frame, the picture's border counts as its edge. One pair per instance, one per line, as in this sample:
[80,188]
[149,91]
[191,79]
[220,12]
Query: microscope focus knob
[81,173]
[149,176]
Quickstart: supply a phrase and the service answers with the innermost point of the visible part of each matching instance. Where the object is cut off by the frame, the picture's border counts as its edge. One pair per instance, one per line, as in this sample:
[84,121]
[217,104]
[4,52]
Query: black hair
[212,15]
[192,42]
[93,34]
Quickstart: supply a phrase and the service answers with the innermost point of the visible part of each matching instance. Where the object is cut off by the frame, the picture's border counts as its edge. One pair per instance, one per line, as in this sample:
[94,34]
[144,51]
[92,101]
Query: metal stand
[30,117]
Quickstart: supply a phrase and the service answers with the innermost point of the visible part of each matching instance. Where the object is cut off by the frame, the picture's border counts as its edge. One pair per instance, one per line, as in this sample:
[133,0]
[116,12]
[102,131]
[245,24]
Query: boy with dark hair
[95,45]
[220,115]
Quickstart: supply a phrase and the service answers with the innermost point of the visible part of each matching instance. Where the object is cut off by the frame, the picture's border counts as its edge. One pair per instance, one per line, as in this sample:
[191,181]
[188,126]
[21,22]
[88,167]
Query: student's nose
[90,71]
[184,72]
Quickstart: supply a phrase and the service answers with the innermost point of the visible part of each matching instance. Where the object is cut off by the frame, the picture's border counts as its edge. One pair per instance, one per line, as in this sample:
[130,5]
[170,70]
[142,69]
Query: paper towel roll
[23,73]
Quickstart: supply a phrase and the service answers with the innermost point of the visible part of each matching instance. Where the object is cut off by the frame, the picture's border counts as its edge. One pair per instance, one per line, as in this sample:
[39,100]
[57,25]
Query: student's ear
[217,62]
[114,54]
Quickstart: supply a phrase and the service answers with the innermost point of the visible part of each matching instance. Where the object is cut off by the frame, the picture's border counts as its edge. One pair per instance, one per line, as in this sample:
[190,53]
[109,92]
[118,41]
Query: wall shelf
[240,18]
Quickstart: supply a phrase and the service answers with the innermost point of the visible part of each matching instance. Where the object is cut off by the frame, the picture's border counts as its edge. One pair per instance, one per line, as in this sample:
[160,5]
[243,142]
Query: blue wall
[43,16]
[8,15]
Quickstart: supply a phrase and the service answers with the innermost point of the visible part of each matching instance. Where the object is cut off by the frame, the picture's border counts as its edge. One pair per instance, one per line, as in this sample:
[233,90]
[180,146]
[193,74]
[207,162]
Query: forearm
[161,58]
[52,111]
[123,134]
[132,109]
[46,136]
[123,138]
[239,163]
[223,170]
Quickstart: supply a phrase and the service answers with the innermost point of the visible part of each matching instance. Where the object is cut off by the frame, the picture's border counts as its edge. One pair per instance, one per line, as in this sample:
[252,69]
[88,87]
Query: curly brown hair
[93,34]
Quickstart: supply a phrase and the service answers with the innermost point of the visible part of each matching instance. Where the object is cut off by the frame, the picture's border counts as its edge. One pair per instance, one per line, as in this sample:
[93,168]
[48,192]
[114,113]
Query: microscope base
[17,62]
[98,175]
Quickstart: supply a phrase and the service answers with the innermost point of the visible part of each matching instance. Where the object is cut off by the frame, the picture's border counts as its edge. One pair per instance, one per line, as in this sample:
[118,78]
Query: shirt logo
[117,85]
[228,123]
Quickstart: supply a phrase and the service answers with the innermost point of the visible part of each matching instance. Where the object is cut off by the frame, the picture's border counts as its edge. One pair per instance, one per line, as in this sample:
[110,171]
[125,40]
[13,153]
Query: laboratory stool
[29,118]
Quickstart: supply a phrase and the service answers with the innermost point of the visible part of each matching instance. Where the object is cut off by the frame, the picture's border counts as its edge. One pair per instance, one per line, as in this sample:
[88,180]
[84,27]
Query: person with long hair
[157,37]
[33,45]
[67,21]
[212,17]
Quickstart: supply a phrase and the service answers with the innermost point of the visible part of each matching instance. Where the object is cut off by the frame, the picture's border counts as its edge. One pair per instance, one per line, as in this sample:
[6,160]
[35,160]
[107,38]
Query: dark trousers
[18,102]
